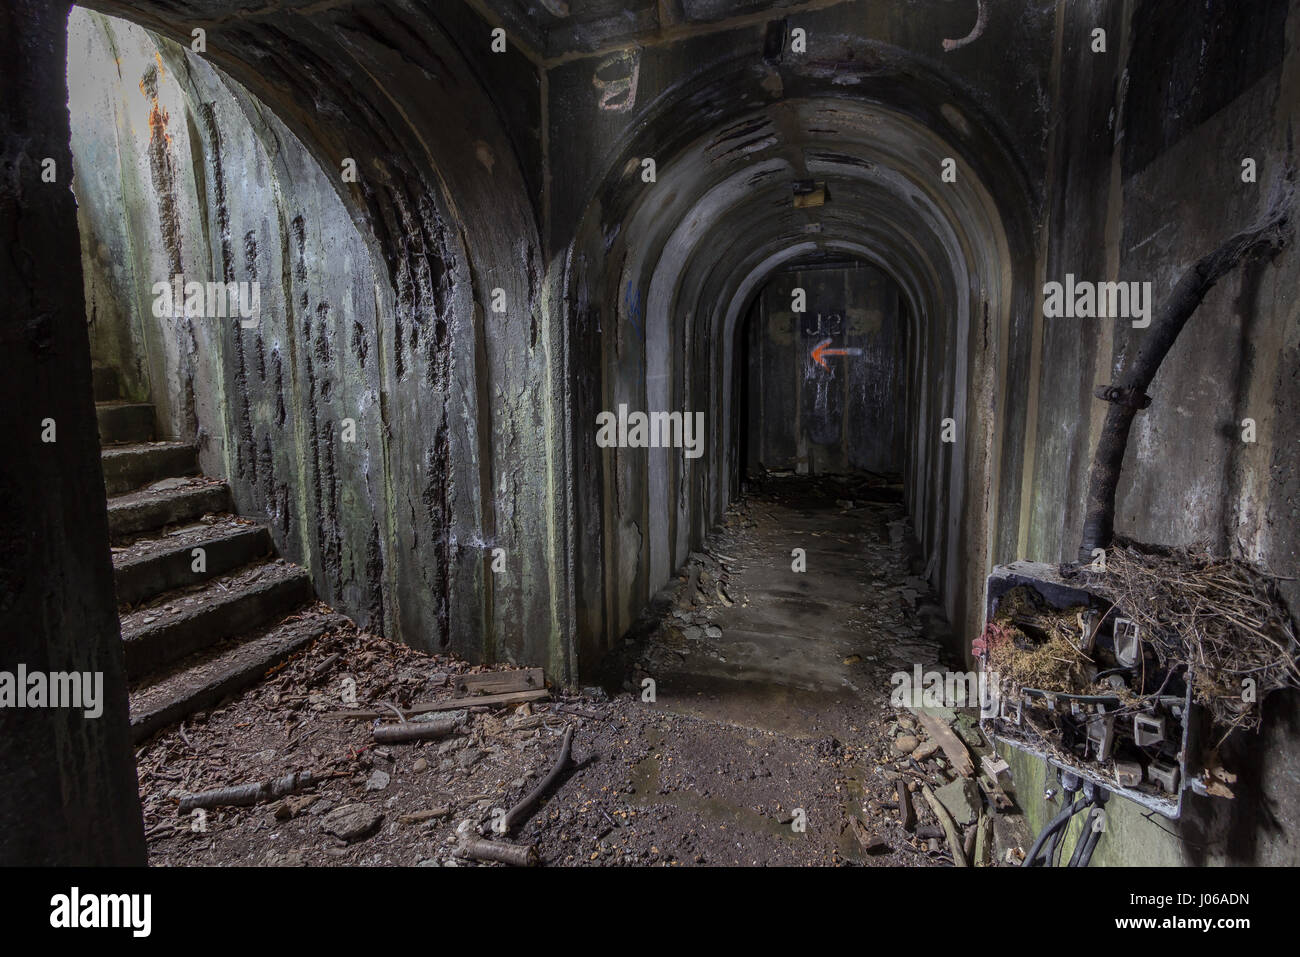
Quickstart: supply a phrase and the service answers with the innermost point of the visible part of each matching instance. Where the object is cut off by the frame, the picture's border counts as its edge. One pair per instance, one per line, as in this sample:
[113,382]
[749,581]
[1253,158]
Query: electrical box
[1076,686]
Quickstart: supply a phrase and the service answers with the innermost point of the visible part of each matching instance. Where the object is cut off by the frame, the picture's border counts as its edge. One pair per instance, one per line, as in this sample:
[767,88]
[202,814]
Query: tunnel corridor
[684,376]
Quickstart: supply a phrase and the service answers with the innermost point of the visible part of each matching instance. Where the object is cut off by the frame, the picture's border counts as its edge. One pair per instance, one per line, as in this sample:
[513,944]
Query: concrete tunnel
[475,227]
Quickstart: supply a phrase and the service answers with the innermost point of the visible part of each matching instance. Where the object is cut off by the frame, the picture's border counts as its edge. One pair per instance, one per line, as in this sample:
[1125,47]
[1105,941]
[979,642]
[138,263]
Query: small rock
[419,765]
[925,750]
[712,631]
[377,781]
[905,743]
[468,758]
[351,821]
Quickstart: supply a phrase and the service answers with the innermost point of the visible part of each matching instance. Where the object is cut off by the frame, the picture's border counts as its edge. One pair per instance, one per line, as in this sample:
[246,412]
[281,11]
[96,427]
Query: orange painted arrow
[820,350]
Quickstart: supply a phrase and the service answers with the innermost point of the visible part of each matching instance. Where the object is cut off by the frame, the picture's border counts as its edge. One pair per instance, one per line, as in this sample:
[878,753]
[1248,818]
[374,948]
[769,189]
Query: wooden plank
[949,827]
[952,746]
[499,682]
[984,840]
[450,704]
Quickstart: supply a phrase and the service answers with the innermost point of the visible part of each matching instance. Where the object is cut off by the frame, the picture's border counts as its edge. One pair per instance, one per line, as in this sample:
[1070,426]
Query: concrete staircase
[206,606]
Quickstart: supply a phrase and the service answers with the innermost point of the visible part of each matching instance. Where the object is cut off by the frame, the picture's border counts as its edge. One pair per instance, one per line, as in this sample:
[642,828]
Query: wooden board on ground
[500,682]
[953,748]
[450,704]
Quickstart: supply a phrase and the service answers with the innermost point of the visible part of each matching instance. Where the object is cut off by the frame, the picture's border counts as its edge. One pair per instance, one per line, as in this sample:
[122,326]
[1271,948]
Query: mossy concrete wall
[379,298]
[1146,174]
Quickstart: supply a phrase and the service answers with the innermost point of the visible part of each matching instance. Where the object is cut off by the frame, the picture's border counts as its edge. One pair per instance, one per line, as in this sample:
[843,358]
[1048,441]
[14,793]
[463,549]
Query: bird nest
[1051,660]
[1223,619]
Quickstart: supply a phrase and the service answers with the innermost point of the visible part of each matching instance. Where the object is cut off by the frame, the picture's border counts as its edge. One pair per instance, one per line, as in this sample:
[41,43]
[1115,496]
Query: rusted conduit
[520,810]
[1128,396]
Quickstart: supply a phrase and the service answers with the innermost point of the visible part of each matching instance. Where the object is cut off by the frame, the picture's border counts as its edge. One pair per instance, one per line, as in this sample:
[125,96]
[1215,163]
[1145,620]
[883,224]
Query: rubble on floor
[752,761]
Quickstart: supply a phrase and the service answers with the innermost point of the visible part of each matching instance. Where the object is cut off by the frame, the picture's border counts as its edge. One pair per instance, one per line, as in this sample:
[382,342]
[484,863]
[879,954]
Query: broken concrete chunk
[961,799]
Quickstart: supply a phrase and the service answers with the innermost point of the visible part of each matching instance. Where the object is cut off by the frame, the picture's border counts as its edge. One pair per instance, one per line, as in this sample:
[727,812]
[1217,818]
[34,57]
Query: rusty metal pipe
[1129,396]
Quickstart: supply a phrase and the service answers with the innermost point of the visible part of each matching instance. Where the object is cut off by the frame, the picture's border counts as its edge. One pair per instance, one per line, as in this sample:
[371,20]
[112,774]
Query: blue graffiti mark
[632,297]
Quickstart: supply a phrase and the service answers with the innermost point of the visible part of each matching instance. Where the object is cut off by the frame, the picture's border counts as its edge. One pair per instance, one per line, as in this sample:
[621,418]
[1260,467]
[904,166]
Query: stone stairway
[206,606]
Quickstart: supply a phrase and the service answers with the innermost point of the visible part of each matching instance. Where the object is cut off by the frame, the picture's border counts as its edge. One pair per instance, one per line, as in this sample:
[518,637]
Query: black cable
[1093,838]
[1051,830]
[1088,834]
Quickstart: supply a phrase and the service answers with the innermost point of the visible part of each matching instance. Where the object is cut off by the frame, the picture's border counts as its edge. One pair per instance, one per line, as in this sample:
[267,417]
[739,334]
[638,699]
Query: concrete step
[128,467]
[124,422]
[179,623]
[204,679]
[106,383]
[151,566]
[142,511]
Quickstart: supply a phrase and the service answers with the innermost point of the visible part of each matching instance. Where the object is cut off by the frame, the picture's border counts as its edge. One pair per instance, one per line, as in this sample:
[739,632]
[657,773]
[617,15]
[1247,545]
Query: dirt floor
[770,739]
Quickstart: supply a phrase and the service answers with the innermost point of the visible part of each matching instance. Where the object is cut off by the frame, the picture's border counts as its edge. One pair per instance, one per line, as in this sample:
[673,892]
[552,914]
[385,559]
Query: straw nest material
[1222,618]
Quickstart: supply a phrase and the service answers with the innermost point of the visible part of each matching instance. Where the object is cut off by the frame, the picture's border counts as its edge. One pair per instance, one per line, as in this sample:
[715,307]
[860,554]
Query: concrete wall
[1146,177]
[847,415]
[67,778]
[376,299]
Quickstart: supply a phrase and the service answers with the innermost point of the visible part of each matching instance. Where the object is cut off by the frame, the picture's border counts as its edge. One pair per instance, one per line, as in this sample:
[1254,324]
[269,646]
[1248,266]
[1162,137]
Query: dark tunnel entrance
[674,274]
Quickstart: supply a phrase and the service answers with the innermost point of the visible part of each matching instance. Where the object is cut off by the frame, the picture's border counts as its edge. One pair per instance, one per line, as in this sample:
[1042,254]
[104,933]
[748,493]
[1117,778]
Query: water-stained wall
[381,411]
[810,410]
[1148,175]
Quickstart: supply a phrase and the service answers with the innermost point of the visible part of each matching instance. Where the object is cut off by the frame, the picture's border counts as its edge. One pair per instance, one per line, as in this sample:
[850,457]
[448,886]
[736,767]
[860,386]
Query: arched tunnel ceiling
[722,206]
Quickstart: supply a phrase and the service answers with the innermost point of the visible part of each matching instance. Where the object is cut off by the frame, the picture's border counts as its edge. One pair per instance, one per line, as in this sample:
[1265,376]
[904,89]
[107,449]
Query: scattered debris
[416,730]
[246,794]
[952,747]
